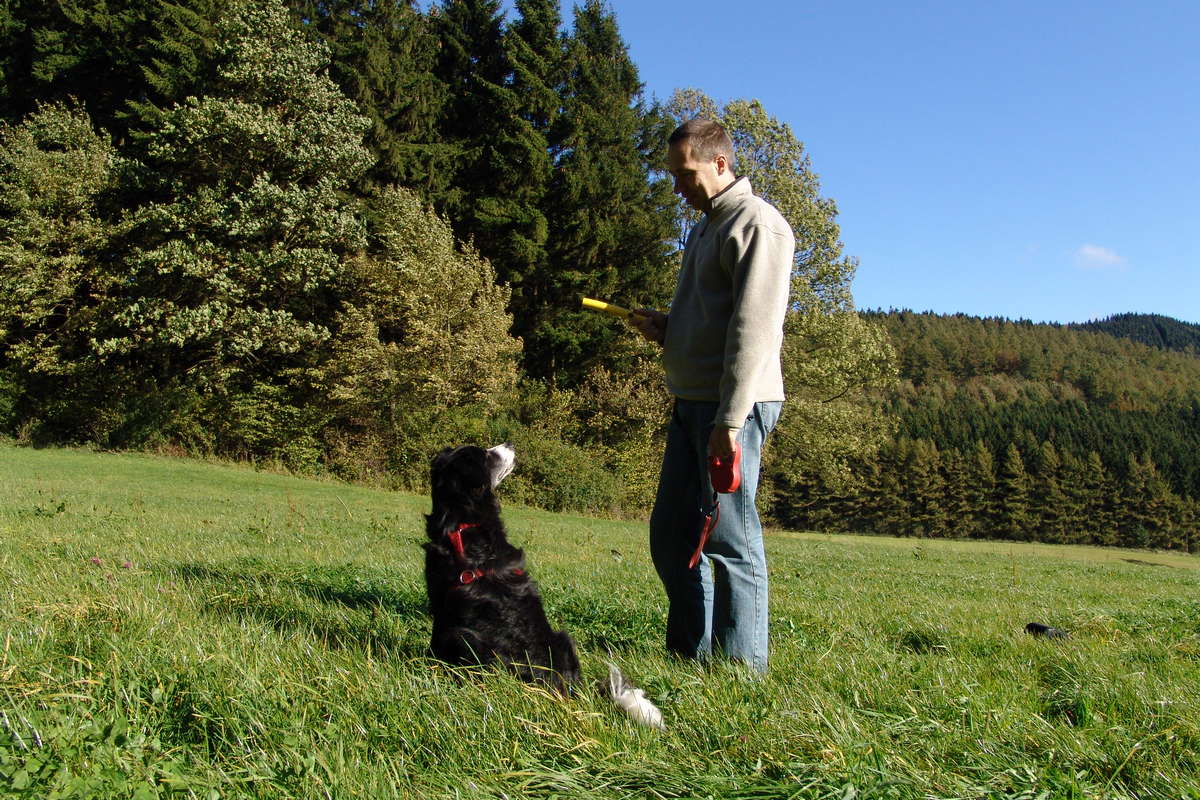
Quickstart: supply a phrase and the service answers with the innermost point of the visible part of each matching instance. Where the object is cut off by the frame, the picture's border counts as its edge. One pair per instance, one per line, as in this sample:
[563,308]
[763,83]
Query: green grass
[267,640]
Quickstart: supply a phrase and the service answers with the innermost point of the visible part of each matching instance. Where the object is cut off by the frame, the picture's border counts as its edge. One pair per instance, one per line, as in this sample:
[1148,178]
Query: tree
[608,213]
[981,490]
[382,54]
[500,159]
[57,179]
[1015,520]
[925,489]
[423,345]
[218,289]
[1049,501]
[97,52]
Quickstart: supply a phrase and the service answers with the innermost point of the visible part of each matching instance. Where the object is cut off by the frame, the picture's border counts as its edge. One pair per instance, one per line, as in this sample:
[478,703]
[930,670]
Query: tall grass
[170,628]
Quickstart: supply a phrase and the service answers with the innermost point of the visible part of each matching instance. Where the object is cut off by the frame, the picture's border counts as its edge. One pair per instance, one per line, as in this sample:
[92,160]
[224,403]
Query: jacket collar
[729,197]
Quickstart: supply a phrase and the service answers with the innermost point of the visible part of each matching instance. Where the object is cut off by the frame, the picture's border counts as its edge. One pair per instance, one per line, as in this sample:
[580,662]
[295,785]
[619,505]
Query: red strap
[456,541]
[469,576]
[710,522]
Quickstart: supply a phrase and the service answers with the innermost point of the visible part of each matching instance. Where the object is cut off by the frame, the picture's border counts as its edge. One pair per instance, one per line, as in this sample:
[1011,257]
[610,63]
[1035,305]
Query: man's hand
[649,323]
[721,442]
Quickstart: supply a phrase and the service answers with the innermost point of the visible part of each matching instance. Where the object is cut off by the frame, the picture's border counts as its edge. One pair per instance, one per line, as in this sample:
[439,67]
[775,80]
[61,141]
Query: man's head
[700,158]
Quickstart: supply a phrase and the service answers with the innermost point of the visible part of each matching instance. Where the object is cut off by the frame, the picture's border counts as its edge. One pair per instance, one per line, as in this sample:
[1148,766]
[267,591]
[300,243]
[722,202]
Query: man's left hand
[722,441]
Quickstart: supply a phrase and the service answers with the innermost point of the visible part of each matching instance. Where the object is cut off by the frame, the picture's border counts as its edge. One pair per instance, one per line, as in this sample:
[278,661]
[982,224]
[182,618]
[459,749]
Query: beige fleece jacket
[725,325]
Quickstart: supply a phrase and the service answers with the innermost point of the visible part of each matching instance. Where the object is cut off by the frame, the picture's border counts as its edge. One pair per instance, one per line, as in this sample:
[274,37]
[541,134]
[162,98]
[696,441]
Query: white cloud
[1093,256]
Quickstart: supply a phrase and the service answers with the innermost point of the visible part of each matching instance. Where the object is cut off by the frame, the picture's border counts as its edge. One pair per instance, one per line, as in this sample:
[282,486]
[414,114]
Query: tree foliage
[57,273]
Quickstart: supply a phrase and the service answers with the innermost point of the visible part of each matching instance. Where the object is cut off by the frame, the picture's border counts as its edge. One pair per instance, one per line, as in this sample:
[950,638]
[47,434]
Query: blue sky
[1035,160]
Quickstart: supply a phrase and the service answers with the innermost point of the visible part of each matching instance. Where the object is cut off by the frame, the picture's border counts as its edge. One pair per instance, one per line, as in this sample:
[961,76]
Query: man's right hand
[649,323]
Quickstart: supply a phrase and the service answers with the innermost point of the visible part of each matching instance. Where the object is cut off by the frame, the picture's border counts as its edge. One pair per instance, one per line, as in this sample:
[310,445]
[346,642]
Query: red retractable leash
[725,474]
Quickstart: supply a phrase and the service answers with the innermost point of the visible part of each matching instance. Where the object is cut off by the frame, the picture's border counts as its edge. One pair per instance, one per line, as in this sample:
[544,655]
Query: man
[721,343]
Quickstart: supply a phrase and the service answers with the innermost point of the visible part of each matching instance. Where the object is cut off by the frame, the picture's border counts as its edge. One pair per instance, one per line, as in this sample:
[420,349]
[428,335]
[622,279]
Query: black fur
[499,616]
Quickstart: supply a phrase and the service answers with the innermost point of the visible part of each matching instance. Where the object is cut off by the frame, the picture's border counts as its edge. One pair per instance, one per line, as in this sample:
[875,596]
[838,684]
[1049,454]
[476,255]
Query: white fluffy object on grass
[633,701]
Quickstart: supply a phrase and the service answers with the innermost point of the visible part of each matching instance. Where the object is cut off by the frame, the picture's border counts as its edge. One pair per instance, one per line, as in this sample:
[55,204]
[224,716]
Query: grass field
[171,628]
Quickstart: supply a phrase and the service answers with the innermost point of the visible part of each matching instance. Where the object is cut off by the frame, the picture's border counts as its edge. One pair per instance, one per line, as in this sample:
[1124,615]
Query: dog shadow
[341,606]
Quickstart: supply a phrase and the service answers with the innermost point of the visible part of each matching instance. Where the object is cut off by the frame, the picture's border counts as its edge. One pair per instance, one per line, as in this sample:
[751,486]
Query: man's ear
[722,163]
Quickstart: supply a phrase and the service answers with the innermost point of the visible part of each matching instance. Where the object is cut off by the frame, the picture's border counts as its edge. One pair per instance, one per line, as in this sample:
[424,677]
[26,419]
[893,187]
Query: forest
[338,236]
[1007,429]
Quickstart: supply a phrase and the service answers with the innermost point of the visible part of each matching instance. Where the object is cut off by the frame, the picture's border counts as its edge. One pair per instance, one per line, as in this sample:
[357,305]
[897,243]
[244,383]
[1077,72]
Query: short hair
[707,137]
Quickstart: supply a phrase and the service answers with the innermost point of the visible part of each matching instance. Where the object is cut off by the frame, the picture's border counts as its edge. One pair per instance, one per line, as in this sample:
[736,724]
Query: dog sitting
[485,607]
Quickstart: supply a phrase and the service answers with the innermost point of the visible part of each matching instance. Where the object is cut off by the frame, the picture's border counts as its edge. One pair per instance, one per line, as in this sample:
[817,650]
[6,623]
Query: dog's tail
[633,701]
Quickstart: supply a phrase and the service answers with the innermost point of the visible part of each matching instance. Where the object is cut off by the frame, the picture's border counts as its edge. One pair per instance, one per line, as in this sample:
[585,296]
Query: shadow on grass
[340,606]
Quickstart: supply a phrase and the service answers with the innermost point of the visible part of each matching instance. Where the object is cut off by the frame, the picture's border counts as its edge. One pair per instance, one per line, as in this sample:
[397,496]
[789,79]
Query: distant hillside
[1154,330]
[1026,431]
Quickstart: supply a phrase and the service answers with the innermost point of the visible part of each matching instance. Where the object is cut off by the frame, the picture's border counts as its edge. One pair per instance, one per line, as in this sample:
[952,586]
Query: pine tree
[609,220]
[1103,502]
[94,52]
[961,520]
[1075,490]
[1014,486]
[889,493]
[382,54]
[500,160]
[1049,501]
[925,489]
[981,490]
[534,48]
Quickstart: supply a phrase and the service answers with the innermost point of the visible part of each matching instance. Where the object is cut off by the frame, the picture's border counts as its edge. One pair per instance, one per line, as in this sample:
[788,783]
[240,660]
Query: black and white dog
[486,609]
[485,606]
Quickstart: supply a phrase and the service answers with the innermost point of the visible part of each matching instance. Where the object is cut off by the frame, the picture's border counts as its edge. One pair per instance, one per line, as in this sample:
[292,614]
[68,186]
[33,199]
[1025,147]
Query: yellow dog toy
[607,308]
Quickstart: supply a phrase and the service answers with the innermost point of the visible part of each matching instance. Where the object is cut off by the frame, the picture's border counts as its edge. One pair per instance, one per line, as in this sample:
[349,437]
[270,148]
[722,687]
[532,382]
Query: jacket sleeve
[760,262]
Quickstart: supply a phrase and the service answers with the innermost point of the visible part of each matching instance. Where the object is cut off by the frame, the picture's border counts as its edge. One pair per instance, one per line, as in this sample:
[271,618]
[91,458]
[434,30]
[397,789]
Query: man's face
[696,181]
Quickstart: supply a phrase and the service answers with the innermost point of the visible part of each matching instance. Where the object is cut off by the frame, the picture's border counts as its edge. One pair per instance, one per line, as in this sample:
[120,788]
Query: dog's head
[463,478]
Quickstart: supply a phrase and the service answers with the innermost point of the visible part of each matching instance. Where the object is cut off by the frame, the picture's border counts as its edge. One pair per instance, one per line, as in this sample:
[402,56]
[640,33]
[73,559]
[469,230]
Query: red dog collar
[469,575]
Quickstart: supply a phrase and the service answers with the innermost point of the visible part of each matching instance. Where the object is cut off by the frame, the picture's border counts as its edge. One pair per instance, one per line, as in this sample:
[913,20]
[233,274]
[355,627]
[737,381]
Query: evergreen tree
[1015,519]
[95,52]
[501,161]
[981,490]
[609,218]
[1049,502]
[891,497]
[961,514]
[1078,529]
[534,48]
[1102,502]
[925,489]
[382,54]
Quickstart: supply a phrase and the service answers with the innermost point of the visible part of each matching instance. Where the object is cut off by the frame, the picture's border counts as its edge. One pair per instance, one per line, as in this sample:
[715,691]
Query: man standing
[721,343]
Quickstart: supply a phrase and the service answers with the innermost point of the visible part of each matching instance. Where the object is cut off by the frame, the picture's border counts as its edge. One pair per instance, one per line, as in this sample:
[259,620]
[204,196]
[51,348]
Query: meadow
[173,628]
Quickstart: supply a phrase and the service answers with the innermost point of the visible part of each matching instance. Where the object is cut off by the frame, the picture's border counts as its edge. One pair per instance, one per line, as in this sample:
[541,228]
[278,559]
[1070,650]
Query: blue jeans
[721,604]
